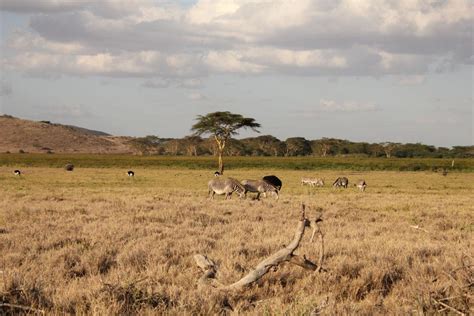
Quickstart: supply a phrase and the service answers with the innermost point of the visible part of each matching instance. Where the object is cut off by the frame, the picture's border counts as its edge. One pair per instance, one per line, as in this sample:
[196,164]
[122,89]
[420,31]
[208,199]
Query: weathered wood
[317,230]
[303,262]
[208,268]
[282,255]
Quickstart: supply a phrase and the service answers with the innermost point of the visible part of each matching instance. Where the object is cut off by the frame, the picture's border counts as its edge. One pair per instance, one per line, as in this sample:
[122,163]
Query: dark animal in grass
[217,174]
[274,180]
[130,173]
[17,172]
[69,167]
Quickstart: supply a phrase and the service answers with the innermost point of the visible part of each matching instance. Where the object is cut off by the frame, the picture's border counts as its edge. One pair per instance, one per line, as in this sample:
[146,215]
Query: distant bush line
[209,162]
[271,146]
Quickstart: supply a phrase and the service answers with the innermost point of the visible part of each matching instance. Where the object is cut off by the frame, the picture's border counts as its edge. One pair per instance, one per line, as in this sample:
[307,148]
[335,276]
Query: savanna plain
[94,241]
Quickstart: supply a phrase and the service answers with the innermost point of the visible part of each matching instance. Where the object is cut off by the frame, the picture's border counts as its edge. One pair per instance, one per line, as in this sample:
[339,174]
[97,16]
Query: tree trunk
[220,148]
[221,163]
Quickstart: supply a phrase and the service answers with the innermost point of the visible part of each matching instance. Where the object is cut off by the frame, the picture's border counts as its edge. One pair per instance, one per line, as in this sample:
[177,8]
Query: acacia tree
[389,147]
[222,126]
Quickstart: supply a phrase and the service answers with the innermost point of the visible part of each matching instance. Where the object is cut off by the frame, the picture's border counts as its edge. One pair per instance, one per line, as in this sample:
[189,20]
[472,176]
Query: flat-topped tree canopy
[222,125]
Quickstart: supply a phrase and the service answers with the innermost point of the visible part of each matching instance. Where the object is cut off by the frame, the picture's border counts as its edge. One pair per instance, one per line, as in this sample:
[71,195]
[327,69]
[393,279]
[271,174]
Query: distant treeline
[268,145]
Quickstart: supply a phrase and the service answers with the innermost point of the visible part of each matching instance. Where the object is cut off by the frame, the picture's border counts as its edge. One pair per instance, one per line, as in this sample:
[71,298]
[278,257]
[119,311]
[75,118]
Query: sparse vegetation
[208,162]
[97,241]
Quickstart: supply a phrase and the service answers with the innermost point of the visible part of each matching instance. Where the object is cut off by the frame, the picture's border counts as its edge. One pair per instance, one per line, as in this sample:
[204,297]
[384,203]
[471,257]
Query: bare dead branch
[283,255]
[317,230]
[303,262]
[448,307]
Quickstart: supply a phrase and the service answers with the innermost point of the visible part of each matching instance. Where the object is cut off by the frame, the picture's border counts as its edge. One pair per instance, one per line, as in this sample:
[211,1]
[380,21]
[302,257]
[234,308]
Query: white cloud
[145,38]
[346,106]
[231,62]
[196,96]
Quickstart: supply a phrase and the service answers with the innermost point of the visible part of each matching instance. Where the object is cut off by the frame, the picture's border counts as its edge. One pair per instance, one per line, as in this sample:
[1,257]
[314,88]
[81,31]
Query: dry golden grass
[95,241]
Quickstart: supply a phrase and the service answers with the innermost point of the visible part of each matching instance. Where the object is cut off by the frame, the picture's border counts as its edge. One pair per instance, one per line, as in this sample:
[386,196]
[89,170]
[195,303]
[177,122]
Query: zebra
[361,185]
[259,186]
[341,182]
[312,182]
[130,173]
[273,180]
[318,182]
[225,186]
[306,181]
[17,172]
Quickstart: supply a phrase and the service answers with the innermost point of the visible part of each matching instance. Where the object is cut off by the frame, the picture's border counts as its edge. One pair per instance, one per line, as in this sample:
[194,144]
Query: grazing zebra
[341,182]
[17,172]
[273,180]
[312,182]
[259,186]
[225,186]
[130,173]
[361,185]
[306,181]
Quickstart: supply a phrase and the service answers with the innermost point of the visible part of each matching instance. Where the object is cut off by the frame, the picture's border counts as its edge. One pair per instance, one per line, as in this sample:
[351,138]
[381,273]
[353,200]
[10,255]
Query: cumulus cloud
[145,38]
[43,6]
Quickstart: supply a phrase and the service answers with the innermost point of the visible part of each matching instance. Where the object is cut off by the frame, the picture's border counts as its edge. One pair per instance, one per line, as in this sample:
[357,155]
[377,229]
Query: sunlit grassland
[96,241]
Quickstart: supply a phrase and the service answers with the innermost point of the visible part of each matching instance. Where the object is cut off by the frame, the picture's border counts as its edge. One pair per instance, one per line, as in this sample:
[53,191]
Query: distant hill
[40,137]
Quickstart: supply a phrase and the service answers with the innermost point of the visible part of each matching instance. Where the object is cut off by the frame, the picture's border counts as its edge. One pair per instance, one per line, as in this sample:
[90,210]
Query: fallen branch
[209,268]
[448,307]
[317,230]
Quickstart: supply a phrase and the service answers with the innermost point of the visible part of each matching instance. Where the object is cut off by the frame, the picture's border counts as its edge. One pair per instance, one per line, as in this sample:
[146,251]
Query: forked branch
[317,230]
[286,254]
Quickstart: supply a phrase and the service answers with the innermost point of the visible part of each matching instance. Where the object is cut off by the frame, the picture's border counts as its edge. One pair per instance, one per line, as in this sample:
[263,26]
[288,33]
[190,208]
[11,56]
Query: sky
[362,70]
